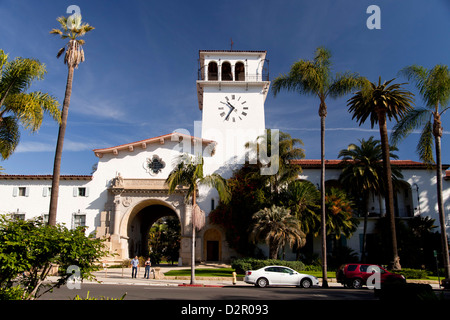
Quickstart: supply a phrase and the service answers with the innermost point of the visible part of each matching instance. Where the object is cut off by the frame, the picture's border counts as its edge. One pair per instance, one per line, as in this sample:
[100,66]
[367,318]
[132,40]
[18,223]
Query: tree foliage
[278,228]
[30,248]
[164,239]
[19,107]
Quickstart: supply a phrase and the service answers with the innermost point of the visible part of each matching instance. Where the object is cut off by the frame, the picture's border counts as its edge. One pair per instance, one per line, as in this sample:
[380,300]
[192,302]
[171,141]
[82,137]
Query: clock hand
[229,112]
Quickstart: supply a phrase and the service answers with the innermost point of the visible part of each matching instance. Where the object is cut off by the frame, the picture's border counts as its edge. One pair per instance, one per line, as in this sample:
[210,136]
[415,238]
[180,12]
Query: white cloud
[69,145]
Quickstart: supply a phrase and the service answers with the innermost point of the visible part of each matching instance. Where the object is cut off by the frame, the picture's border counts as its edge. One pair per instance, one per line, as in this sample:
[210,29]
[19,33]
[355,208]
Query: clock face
[233,108]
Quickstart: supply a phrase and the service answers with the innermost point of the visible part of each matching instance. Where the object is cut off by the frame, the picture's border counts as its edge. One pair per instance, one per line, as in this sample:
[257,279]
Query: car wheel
[306,283]
[262,282]
[356,283]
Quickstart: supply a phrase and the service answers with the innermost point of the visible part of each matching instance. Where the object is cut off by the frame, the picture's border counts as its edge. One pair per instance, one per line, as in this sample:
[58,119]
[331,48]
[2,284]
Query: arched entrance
[139,225]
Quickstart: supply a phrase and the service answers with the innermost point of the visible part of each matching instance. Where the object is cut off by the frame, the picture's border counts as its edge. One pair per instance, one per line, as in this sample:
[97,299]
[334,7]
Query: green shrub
[242,265]
[413,273]
[11,293]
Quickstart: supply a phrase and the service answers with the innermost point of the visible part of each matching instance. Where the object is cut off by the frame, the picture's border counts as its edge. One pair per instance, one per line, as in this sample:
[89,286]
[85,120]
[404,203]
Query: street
[240,301]
[140,292]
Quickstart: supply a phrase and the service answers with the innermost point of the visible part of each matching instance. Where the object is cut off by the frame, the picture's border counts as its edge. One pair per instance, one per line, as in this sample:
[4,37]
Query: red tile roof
[160,139]
[42,177]
[404,164]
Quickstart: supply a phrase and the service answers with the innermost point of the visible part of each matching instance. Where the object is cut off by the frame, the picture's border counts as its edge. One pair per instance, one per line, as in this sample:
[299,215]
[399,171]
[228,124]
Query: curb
[201,285]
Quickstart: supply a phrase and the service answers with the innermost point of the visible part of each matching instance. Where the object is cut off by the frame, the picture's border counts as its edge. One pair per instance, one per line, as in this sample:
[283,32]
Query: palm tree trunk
[194,202]
[445,254]
[59,149]
[323,114]
[389,195]
[366,215]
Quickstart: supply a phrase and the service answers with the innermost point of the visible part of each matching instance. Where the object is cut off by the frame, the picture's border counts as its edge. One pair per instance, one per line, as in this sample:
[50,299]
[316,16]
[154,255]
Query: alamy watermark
[236,146]
[374,20]
[74,281]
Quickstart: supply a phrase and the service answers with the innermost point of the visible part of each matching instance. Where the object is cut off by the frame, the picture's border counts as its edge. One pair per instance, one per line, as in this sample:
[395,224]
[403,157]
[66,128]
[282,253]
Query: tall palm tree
[315,78]
[188,172]
[434,87]
[363,174]
[18,107]
[380,102]
[277,227]
[72,29]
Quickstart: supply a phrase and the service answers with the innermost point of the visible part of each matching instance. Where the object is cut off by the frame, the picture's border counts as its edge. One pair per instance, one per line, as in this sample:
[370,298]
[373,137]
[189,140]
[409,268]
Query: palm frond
[18,75]
[344,83]
[29,108]
[433,84]
[414,119]
[425,146]
[9,136]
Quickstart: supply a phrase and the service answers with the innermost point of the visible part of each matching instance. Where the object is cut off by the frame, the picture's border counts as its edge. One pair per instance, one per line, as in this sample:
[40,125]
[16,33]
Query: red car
[356,275]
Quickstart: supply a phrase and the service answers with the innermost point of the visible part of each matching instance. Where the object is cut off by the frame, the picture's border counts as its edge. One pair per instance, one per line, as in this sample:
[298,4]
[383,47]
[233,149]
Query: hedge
[242,265]
[413,273]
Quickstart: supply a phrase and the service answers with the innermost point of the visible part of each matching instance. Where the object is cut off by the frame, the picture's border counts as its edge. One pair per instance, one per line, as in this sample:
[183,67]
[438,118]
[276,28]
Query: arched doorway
[139,224]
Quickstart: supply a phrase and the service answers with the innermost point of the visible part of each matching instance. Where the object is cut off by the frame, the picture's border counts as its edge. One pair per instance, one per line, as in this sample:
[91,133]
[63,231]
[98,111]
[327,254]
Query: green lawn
[203,272]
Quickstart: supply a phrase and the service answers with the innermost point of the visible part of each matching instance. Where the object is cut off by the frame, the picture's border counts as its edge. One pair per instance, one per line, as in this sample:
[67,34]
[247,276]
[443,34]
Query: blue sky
[138,80]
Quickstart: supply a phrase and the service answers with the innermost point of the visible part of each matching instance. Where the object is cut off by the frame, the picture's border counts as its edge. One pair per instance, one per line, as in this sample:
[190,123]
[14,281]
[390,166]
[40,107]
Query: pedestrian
[134,266]
[148,264]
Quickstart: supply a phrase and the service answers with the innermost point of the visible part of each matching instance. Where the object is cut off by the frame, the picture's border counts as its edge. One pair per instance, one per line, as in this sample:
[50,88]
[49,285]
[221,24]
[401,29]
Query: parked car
[355,275]
[279,276]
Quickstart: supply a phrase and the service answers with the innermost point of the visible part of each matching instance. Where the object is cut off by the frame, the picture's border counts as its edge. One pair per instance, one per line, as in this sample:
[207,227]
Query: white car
[279,276]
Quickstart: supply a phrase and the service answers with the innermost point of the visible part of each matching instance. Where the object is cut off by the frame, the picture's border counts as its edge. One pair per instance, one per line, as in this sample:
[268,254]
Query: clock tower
[232,87]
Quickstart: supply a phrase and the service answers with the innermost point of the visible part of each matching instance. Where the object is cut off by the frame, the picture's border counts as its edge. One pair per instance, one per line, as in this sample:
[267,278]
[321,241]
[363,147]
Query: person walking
[134,266]
[148,264]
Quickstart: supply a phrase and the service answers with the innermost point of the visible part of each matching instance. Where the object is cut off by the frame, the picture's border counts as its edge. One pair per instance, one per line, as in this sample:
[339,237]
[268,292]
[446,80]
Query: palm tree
[363,174]
[188,172]
[18,107]
[381,102]
[288,150]
[277,227]
[303,199]
[434,87]
[314,77]
[340,220]
[72,29]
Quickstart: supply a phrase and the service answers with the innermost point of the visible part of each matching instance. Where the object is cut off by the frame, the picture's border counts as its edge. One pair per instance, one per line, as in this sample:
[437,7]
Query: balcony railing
[228,77]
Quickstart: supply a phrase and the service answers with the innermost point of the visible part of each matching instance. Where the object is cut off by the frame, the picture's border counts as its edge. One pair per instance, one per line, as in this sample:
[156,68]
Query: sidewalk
[120,276]
[123,276]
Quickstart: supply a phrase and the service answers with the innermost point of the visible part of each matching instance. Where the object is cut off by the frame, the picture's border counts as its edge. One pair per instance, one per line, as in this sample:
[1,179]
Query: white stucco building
[127,194]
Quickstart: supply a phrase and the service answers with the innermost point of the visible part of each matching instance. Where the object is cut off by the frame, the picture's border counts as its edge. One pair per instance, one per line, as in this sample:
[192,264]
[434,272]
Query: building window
[18,216]
[46,191]
[80,191]
[226,72]
[79,220]
[21,191]
[239,71]
[212,71]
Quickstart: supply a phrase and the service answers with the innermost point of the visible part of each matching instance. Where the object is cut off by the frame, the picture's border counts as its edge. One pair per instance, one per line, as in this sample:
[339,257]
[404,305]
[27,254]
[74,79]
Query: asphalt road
[229,302]
[137,292]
